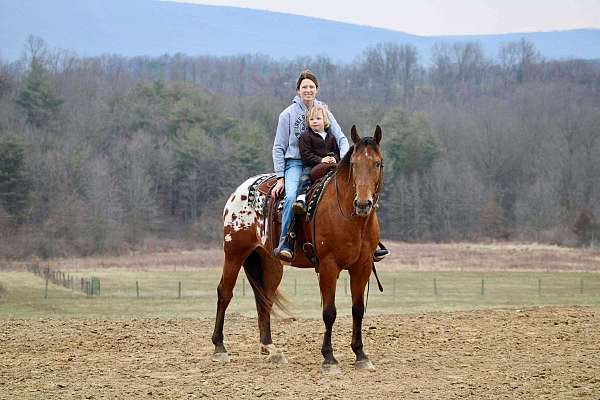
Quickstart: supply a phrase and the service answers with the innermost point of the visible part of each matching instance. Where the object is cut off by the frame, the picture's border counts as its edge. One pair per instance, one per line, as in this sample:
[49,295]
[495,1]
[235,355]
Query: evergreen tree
[410,151]
[38,97]
[14,183]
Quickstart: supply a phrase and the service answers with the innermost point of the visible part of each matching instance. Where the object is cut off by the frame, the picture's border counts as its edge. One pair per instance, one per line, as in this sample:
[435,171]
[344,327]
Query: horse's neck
[344,189]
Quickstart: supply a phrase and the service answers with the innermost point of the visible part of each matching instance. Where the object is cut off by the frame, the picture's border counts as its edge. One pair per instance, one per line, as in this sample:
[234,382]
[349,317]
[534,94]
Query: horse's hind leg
[231,269]
[358,281]
[265,274]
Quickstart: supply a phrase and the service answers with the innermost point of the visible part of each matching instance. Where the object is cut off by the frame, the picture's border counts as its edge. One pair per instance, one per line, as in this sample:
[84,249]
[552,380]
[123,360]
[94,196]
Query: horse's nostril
[363,206]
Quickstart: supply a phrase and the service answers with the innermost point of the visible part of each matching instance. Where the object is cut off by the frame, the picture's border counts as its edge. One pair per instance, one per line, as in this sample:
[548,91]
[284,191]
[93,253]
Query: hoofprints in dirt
[532,353]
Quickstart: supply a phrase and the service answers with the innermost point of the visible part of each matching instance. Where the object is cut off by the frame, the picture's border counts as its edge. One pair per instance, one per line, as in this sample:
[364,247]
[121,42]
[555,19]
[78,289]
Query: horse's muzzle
[363,209]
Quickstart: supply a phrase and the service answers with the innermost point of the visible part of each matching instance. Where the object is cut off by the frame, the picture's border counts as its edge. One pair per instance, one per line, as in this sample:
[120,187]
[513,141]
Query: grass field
[404,292]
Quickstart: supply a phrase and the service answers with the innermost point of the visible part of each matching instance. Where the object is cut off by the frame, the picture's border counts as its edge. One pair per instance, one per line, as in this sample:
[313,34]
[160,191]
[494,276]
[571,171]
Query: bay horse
[345,236]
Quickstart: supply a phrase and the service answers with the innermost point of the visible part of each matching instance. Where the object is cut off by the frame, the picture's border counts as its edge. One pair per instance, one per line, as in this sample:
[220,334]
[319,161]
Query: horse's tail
[256,276]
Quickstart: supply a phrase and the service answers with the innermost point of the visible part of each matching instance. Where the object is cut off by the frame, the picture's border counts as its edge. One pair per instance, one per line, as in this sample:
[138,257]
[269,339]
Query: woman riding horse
[286,154]
[287,160]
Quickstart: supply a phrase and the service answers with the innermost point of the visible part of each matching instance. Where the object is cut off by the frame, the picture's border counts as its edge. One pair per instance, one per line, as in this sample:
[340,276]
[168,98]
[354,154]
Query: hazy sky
[441,17]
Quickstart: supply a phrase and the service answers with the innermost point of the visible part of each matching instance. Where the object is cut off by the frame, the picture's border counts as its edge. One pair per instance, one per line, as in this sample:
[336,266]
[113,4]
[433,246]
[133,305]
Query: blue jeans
[292,173]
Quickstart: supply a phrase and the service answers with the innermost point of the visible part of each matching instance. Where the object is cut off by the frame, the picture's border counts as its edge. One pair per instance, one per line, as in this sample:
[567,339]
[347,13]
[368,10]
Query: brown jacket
[313,148]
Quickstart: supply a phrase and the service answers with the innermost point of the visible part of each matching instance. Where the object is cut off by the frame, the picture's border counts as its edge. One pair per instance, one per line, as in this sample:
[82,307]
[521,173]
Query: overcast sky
[441,17]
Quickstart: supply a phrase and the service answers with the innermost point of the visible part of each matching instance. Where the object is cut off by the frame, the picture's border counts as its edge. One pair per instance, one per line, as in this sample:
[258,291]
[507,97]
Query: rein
[337,197]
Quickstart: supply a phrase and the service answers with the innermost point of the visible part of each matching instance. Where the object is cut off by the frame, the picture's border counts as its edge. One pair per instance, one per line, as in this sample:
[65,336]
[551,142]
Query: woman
[286,154]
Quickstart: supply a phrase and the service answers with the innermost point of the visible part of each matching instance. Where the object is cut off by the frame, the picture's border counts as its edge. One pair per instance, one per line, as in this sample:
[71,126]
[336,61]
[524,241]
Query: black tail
[255,273]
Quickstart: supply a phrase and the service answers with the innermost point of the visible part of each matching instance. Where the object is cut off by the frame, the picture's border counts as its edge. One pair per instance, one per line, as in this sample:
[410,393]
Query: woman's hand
[328,160]
[278,189]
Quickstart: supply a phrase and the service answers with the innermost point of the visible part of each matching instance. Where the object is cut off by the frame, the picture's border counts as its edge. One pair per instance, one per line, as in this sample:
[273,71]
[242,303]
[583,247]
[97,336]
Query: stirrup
[283,252]
[380,254]
[299,207]
[286,255]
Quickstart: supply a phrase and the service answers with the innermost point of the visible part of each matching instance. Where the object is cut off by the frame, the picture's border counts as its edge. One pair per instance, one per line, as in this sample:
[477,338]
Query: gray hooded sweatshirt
[291,125]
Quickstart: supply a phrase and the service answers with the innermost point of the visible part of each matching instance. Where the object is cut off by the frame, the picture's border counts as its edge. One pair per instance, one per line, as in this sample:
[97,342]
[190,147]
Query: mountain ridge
[153,28]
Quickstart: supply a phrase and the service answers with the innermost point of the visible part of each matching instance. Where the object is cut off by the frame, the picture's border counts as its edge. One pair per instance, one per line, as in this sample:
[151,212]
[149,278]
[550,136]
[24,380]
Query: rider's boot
[299,206]
[380,253]
[284,251]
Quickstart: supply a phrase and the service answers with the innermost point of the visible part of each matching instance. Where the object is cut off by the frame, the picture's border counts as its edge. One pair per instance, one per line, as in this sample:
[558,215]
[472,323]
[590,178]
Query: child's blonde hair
[316,108]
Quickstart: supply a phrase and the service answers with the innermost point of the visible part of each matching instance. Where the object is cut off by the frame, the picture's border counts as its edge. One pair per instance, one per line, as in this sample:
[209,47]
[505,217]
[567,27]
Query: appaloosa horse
[345,236]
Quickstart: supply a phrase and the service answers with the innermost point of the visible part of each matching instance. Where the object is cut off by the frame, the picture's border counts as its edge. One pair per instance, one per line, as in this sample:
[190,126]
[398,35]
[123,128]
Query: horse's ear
[355,137]
[377,136]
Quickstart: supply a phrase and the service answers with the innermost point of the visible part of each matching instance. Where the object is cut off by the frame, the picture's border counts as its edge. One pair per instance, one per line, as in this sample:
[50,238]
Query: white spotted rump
[239,213]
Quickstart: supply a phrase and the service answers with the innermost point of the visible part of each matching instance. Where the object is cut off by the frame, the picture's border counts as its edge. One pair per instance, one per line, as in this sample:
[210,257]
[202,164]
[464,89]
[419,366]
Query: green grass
[405,292]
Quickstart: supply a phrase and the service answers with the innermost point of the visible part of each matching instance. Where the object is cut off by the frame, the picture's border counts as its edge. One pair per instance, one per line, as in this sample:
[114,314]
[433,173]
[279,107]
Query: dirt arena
[541,353]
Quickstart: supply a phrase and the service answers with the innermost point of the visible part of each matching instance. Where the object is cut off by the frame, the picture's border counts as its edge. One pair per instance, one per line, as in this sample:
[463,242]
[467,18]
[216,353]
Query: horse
[344,232]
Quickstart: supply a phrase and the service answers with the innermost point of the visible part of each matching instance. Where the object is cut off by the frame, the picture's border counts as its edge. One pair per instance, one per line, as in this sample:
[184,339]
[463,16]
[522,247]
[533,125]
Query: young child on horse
[318,150]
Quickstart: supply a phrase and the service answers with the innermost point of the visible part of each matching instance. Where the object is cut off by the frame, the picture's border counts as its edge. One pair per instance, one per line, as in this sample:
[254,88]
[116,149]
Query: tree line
[106,154]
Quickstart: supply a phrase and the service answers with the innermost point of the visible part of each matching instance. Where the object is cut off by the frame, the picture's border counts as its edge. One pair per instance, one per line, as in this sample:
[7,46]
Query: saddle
[271,211]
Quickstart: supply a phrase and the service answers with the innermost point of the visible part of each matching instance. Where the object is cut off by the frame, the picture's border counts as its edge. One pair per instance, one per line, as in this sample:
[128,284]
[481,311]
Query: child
[317,146]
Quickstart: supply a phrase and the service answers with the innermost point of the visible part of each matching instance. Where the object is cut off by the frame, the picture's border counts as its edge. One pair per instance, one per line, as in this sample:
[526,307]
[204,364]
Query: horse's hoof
[365,365]
[278,358]
[220,357]
[275,355]
[331,369]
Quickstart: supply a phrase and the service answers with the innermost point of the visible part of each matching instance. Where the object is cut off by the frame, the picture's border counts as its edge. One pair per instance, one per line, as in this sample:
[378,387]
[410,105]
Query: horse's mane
[345,162]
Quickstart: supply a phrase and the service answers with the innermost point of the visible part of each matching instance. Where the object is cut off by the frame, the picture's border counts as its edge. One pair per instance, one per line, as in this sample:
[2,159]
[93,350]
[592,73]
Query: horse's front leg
[327,283]
[358,281]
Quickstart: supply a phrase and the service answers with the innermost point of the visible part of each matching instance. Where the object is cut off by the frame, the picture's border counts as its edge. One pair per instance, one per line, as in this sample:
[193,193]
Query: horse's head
[366,170]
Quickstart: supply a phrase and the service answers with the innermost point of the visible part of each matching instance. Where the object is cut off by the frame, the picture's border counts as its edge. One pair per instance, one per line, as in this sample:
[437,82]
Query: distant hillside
[148,27]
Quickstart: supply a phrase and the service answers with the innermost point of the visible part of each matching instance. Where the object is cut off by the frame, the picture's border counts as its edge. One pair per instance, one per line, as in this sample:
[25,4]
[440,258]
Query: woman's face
[307,91]
[316,122]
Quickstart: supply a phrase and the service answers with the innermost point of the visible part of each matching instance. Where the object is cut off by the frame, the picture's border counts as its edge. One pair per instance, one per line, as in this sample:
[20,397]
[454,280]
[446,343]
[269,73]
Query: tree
[38,98]
[586,228]
[411,145]
[410,150]
[519,60]
[14,183]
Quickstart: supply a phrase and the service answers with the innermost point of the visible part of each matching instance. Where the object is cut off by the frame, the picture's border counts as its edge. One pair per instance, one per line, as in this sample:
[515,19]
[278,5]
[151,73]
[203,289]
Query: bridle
[376,194]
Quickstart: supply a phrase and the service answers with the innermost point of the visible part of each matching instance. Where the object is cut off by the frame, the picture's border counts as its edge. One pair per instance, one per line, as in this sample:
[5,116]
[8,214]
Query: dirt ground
[541,353]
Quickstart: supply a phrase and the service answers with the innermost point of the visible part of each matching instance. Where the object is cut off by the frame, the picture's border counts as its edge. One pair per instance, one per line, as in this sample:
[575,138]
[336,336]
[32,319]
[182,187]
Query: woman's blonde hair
[316,108]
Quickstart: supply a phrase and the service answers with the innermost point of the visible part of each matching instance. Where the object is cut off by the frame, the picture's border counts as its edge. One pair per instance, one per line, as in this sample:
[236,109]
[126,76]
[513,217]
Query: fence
[403,289]
[89,286]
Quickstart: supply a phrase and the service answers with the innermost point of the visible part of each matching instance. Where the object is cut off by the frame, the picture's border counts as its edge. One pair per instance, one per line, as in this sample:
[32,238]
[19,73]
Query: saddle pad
[313,198]
[267,184]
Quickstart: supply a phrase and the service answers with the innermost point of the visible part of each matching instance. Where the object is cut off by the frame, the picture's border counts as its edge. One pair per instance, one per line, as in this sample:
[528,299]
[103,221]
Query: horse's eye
[378,164]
